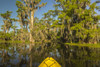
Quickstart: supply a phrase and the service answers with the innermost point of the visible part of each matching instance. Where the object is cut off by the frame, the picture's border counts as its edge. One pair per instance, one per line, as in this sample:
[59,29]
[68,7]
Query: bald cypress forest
[72,28]
[71,22]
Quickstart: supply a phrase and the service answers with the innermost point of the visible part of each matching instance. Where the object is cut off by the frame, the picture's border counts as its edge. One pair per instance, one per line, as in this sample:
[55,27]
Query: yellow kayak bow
[49,62]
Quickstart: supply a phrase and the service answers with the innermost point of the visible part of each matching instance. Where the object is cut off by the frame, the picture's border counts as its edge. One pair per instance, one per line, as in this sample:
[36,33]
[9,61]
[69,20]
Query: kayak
[49,62]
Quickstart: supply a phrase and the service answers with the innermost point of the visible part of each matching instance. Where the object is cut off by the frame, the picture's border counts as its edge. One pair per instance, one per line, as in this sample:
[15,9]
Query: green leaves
[19,4]
[93,6]
[6,15]
[62,15]
[43,4]
[76,19]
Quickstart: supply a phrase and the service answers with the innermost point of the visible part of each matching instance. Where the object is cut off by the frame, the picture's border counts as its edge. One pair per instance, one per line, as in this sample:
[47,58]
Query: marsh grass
[84,45]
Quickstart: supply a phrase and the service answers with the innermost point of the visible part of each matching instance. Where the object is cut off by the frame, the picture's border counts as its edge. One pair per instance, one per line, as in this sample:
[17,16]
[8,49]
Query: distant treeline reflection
[19,55]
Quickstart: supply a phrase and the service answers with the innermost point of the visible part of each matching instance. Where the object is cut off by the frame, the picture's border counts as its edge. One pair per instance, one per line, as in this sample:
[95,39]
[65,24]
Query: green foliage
[78,22]
[7,21]
[71,21]
[6,15]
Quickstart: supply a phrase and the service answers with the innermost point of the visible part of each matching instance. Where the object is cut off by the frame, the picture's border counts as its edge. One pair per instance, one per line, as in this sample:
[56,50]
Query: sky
[10,5]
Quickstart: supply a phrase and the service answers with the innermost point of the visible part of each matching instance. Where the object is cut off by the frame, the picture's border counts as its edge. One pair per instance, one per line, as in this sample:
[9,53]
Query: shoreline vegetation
[2,41]
[83,45]
[26,42]
[70,44]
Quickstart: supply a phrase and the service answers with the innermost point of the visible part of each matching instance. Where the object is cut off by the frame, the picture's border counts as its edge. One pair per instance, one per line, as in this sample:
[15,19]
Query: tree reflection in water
[28,55]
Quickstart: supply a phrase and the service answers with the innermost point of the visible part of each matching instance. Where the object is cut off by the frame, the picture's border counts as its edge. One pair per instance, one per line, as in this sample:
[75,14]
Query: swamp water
[24,55]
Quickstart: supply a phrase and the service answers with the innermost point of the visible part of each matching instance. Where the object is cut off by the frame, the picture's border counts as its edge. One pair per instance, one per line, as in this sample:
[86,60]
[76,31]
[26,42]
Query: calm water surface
[26,55]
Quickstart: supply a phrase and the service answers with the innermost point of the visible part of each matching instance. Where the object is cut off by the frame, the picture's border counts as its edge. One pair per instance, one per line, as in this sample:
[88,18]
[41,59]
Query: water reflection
[28,55]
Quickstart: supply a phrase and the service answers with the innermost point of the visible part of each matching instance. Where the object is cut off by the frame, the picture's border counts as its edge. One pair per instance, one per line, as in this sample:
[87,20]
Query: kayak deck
[49,62]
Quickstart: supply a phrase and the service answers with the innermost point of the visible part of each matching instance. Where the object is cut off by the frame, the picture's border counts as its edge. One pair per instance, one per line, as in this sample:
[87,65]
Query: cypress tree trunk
[4,29]
[95,39]
[31,26]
